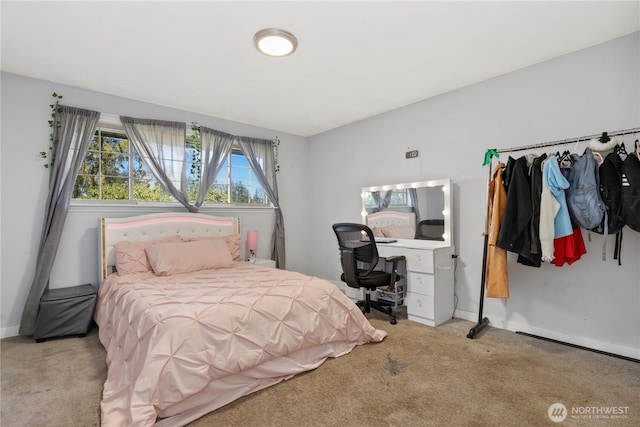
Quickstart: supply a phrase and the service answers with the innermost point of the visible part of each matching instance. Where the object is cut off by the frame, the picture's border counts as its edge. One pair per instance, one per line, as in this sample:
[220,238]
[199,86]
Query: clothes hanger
[575,147]
[549,155]
[620,149]
[566,158]
[598,157]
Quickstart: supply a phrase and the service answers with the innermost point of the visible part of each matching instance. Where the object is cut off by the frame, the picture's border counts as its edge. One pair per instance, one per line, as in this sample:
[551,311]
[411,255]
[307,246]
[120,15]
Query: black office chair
[358,249]
[430,229]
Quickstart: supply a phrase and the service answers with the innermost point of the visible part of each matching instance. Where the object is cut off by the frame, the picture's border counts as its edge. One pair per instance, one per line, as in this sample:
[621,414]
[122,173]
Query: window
[113,170]
[398,198]
[239,180]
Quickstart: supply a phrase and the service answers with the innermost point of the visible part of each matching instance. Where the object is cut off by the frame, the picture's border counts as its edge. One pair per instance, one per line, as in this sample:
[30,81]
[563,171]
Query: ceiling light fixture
[275,42]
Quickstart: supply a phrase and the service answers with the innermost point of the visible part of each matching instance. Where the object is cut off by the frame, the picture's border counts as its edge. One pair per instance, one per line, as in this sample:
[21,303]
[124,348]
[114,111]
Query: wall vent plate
[411,154]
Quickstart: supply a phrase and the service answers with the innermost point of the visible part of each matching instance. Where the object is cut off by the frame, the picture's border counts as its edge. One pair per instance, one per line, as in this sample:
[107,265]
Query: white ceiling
[354,59]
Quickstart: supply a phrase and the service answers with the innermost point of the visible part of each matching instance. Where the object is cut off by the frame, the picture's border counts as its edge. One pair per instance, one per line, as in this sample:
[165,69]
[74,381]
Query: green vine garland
[276,144]
[53,125]
[195,140]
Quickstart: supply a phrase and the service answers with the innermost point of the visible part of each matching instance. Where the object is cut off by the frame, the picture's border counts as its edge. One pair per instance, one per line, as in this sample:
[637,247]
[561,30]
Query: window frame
[111,123]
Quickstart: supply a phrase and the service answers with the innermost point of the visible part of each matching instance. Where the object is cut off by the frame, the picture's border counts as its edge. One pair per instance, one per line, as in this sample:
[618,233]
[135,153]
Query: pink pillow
[131,256]
[399,232]
[377,232]
[232,241]
[167,259]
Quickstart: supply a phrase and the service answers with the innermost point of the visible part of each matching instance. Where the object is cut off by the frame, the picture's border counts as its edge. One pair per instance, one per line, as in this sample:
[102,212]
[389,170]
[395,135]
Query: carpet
[418,376]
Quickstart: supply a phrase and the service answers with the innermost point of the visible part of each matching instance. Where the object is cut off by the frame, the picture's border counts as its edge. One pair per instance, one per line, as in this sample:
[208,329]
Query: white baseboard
[508,325]
[11,331]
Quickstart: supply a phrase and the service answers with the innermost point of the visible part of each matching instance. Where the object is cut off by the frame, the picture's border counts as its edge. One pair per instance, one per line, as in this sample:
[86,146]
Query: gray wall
[24,181]
[591,303]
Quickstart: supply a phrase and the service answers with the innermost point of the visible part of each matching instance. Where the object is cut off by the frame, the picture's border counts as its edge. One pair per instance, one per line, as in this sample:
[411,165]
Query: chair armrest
[349,268]
[395,258]
[394,270]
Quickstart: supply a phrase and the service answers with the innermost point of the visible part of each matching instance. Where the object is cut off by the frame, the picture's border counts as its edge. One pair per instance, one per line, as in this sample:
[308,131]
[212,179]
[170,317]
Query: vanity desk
[429,278]
[417,217]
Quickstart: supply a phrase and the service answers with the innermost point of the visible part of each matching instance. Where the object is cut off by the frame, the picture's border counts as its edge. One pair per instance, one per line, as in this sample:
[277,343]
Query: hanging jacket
[568,249]
[549,207]
[558,184]
[610,174]
[496,273]
[508,173]
[535,174]
[631,192]
[515,233]
[583,196]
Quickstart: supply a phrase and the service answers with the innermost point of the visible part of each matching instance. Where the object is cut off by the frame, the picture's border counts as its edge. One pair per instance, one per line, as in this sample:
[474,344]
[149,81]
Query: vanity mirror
[412,210]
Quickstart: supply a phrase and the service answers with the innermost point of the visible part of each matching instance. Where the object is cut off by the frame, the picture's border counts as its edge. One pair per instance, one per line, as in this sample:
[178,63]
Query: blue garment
[557,183]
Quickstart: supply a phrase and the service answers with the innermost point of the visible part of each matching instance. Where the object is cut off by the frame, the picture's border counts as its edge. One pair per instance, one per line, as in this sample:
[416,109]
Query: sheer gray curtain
[161,145]
[376,199]
[259,153]
[381,202]
[77,126]
[413,196]
[214,147]
[387,200]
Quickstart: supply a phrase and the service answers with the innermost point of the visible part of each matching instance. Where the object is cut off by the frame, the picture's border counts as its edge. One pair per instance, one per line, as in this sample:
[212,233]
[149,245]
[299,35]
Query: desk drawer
[419,260]
[420,305]
[420,283]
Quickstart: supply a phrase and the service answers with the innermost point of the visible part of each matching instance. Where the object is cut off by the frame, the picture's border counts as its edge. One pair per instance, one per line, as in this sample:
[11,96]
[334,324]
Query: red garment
[568,249]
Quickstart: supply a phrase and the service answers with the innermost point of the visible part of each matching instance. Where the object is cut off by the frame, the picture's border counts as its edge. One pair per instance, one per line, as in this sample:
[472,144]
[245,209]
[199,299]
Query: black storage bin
[65,311]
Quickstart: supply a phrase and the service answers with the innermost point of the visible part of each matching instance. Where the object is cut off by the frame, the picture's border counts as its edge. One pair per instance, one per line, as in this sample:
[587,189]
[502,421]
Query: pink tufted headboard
[156,226]
[388,218]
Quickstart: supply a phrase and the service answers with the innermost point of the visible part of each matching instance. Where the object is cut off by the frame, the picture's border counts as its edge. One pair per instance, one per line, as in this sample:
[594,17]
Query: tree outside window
[113,170]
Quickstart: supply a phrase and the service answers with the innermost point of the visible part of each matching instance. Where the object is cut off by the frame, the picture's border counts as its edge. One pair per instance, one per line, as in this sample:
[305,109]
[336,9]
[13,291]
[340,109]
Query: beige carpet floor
[418,376]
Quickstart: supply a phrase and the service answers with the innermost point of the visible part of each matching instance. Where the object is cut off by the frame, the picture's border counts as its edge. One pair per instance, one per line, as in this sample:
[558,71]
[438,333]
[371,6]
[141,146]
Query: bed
[184,343]
[392,224]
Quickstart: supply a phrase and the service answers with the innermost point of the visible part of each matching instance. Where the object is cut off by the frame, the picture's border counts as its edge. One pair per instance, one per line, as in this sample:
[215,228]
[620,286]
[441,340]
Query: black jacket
[515,230]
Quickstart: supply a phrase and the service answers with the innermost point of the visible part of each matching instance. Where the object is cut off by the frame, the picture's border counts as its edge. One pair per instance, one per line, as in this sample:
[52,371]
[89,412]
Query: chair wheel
[393,321]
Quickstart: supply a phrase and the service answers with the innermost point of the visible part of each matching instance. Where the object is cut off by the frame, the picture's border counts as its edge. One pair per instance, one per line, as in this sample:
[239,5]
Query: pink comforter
[181,346]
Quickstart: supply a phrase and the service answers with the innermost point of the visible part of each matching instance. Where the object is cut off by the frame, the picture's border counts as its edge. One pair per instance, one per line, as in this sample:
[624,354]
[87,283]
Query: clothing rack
[484,321]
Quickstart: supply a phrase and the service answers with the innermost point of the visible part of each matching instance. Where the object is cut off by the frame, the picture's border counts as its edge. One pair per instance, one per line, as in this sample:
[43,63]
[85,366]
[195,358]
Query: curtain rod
[567,141]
